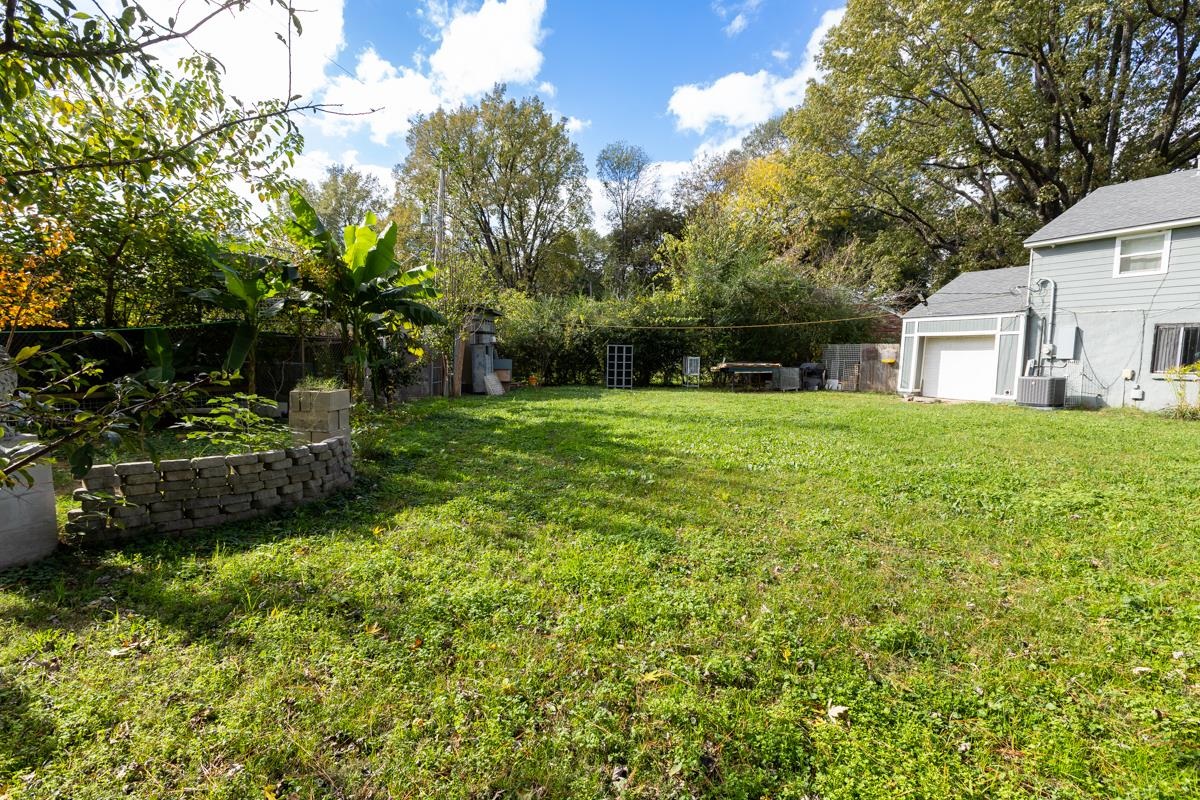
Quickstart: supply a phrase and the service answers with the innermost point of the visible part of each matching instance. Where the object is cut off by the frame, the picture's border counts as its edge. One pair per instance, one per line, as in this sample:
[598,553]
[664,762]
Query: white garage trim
[913,349]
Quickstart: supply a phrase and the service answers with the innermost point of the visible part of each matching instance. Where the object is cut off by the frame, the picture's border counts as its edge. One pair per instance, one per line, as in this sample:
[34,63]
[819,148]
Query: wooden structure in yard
[862,367]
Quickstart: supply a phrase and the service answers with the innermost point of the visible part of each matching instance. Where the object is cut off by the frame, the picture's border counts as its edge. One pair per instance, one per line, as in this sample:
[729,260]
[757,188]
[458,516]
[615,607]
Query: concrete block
[241,459]
[139,490]
[271,456]
[278,466]
[165,505]
[185,475]
[140,478]
[245,486]
[235,508]
[248,469]
[136,468]
[205,483]
[174,526]
[202,502]
[212,472]
[178,494]
[214,491]
[209,462]
[175,465]
[159,517]
[273,480]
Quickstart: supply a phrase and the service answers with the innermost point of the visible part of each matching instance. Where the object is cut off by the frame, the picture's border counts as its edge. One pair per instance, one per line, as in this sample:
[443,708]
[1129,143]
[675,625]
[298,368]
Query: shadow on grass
[524,465]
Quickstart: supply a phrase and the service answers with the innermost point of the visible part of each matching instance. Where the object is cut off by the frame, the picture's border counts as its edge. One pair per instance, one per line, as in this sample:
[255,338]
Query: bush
[562,340]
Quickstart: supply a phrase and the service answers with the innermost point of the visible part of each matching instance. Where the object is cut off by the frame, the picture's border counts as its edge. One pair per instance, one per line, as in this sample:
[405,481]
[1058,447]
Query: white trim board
[1165,225]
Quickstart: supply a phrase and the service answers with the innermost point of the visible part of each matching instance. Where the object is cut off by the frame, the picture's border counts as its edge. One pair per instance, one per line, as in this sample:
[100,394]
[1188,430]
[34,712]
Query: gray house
[1109,301]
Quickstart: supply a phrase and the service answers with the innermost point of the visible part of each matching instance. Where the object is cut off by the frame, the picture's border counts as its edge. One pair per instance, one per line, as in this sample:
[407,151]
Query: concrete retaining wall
[120,500]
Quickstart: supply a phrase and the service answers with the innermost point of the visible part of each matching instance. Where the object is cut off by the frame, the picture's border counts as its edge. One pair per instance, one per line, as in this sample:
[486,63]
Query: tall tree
[344,196]
[624,172]
[968,125]
[516,182]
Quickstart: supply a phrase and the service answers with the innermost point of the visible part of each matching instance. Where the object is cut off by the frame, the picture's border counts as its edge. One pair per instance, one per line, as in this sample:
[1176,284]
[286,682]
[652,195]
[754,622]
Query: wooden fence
[862,367]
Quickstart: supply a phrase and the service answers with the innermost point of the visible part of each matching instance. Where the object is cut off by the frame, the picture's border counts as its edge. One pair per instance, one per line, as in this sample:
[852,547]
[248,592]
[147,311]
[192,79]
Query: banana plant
[257,292]
[367,292]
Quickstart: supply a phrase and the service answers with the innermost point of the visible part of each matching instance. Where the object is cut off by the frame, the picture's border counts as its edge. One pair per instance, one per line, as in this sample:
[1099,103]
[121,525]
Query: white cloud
[739,14]
[547,88]
[256,63]
[577,125]
[396,93]
[739,101]
[781,55]
[497,43]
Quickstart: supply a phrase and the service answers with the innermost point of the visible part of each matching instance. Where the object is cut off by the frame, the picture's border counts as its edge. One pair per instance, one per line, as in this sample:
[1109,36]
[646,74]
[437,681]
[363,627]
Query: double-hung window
[1175,345]
[1143,255]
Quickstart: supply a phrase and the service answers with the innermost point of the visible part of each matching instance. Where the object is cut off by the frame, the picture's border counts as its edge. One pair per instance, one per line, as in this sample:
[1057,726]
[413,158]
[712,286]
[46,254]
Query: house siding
[1115,316]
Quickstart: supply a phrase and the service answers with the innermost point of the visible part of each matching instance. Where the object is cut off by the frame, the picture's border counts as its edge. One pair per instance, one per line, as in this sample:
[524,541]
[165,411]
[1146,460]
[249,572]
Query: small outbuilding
[966,341]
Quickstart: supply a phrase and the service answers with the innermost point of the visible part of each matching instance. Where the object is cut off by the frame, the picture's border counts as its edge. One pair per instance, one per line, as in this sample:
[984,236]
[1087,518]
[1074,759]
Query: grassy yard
[651,594]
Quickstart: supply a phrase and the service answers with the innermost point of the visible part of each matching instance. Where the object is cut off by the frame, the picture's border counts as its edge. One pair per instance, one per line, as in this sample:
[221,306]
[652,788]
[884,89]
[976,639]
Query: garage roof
[1158,201]
[990,291]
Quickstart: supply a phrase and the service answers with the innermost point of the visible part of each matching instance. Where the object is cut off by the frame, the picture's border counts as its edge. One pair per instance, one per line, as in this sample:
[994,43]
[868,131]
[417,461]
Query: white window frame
[1164,262]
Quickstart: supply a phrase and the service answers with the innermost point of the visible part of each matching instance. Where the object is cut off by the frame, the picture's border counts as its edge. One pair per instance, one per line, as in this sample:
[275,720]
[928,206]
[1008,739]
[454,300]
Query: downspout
[1041,284]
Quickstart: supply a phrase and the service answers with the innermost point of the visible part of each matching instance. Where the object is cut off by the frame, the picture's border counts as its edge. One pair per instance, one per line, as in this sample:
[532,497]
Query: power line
[612,326]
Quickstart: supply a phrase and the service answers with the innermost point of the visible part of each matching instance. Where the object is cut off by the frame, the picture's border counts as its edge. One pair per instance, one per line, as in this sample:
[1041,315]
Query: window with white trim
[1175,345]
[1143,255]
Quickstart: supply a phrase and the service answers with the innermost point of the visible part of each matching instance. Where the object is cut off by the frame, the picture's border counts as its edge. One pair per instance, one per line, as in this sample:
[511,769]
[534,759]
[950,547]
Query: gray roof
[1150,201]
[989,291]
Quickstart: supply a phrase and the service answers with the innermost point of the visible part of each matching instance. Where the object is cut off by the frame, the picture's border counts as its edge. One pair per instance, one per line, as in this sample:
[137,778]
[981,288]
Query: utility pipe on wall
[1041,284]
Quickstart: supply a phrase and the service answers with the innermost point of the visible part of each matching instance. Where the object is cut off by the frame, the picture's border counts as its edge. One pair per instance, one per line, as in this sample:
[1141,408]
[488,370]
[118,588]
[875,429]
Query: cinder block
[197,503]
[274,480]
[136,468]
[209,462]
[139,490]
[205,483]
[128,512]
[329,400]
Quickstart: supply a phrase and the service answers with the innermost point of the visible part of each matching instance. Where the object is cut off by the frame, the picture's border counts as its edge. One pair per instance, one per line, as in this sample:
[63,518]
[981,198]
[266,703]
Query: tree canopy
[516,182]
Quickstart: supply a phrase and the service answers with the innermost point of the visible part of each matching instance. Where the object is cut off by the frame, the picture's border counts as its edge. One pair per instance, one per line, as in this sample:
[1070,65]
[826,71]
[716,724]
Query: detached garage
[967,341]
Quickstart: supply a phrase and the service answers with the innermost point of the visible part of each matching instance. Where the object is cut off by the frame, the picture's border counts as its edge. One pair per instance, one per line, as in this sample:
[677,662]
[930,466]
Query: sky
[680,78]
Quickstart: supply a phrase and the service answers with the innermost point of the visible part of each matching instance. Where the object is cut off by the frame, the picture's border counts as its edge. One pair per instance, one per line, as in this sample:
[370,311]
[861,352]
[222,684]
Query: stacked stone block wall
[119,500]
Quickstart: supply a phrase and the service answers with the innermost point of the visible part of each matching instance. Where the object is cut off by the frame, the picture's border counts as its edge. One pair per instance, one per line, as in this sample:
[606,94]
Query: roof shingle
[1150,201]
[990,291]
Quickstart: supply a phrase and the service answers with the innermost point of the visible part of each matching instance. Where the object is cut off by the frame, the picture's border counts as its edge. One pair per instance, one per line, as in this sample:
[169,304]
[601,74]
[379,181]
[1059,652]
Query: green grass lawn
[652,594]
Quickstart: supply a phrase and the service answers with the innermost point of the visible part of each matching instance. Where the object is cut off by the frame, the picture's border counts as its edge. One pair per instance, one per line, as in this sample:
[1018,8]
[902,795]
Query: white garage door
[959,367]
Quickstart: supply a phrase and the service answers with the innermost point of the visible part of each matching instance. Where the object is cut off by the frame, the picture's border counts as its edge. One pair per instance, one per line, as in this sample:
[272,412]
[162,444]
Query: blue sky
[680,78]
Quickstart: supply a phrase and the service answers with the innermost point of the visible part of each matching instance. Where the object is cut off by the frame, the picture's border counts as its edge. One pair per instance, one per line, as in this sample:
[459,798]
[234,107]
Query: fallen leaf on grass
[838,713]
